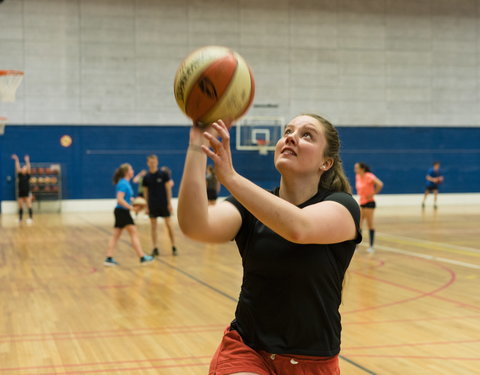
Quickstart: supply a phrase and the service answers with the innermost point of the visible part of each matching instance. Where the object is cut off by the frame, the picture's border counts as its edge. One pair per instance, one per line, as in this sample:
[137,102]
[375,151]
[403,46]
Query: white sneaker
[370,250]
[29,221]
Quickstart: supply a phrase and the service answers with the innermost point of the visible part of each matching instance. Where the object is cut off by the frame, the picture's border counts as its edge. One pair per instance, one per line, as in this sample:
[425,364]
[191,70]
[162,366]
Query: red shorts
[233,356]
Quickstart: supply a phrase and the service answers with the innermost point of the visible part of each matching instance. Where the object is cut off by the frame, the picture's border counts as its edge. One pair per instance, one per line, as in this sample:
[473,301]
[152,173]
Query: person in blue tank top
[123,219]
[433,179]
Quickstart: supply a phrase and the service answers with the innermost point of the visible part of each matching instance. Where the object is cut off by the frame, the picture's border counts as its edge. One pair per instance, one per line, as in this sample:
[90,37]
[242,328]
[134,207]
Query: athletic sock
[20,213]
[372,236]
[30,213]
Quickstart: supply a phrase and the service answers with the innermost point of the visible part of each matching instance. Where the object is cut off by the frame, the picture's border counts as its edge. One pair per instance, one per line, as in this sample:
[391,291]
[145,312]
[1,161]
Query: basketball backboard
[259,133]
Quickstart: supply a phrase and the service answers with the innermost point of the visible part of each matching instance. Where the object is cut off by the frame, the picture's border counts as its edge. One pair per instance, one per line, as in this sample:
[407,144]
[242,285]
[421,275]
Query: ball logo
[186,71]
[208,88]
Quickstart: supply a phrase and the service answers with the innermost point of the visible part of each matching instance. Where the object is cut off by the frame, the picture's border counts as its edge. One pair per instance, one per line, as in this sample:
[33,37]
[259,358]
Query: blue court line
[216,290]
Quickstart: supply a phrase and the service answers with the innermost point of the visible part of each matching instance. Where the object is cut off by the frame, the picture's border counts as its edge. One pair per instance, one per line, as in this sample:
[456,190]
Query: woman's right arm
[17,163]
[198,220]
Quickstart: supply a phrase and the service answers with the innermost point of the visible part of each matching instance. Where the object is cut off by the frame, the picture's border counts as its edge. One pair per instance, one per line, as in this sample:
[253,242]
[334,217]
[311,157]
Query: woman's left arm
[378,185]
[321,223]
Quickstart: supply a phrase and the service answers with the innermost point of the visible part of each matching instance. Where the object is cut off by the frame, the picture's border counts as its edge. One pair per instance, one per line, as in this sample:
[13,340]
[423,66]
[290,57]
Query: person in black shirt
[157,190]
[24,195]
[296,243]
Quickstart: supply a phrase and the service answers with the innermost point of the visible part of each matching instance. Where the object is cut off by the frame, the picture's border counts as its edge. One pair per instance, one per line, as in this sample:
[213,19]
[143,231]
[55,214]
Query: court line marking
[429,257]
[218,291]
[91,364]
[421,293]
[101,335]
[453,342]
[436,245]
[411,357]
[124,369]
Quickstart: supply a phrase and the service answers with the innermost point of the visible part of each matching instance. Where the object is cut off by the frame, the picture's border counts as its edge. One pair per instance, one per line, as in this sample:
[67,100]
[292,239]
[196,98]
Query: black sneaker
[155,253]
[174,251]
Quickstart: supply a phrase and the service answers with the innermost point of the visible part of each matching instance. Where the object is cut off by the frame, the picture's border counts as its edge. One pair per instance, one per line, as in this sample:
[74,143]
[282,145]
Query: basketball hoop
[262,146]
[9,82]
[3,121]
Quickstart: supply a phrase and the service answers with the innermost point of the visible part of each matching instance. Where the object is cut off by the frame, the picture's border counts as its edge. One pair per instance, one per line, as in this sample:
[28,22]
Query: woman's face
[130,173]
[358,169]
[302,146]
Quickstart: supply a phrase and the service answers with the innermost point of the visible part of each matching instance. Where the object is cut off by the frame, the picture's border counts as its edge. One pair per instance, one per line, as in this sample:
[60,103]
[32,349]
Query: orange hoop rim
[3,119]
[11,73]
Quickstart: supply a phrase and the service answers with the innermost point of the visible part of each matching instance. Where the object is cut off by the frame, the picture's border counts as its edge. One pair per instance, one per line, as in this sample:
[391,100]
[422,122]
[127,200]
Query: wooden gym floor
[413,307]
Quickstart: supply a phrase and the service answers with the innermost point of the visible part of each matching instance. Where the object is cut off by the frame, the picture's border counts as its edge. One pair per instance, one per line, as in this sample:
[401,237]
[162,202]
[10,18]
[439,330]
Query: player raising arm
[296,243]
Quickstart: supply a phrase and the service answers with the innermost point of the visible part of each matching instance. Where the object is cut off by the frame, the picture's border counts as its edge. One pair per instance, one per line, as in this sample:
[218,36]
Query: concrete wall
[358,62]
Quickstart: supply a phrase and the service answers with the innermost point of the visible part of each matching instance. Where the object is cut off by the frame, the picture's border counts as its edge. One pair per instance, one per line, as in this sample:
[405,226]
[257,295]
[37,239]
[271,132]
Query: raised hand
[219,151]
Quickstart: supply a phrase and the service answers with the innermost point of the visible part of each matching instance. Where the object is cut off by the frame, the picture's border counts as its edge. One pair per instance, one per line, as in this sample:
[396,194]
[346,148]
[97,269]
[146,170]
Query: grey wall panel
[358,62]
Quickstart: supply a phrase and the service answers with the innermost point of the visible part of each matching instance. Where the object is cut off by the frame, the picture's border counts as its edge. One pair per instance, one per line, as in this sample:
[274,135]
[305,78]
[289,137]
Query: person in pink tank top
[367,185]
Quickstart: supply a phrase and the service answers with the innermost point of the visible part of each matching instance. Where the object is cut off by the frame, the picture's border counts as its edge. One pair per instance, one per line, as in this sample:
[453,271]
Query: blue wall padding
[400,156]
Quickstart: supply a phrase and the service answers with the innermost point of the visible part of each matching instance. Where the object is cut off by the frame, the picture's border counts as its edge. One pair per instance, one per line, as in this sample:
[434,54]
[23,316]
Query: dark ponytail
[334,179]
[120,173]
[364,166]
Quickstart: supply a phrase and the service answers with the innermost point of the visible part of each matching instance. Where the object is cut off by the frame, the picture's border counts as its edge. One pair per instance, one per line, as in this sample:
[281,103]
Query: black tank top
[291,292]
[23,182]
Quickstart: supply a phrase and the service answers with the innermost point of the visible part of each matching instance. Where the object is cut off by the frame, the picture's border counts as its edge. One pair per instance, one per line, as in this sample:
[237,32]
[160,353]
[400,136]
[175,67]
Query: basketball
[214,83]
[139,202]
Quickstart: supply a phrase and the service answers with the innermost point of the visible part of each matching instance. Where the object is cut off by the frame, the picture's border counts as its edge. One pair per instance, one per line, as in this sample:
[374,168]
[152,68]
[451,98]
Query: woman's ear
[327,164]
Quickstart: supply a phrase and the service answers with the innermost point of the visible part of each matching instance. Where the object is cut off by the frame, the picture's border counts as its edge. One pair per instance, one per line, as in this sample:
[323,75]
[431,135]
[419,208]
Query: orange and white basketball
[214,83]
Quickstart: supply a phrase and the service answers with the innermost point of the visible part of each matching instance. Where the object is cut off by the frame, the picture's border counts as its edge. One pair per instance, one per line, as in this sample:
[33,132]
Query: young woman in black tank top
[24,195]
[296,243]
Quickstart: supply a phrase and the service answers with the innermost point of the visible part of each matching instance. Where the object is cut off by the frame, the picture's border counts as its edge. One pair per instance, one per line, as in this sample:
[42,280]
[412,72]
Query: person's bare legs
[168,224]
[435,195]
[153,232]
[137,247]
[117,232]
[20,202]
[368,214]
[425,197]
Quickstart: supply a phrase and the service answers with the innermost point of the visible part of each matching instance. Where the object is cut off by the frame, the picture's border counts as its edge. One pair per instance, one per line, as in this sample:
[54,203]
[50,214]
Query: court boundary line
[428,242]
[426,256]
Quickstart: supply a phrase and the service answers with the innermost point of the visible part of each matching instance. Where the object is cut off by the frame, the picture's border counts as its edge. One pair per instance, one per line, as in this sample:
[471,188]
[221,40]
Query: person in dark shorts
[123,219]
[367,185]
[157,189]
[433,179]
[24,195]
[213,186]
[296,243]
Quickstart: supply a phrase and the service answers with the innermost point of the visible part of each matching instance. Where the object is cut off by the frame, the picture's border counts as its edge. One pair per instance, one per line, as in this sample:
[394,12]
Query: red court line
[124,369]
[186,327]
[412,344]
[134,361]
[411,320]
[410,357]
[107,336]
[65,336]
[422,293]
[378,263]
